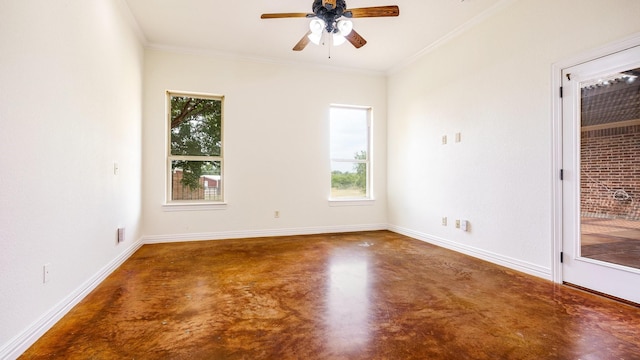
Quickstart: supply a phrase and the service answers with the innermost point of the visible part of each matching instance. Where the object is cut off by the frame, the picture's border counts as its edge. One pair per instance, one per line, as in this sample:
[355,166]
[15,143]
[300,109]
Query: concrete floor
[612,240]
[370,295]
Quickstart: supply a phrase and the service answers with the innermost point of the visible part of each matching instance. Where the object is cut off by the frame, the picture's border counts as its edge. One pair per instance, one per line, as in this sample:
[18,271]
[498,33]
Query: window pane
[348,179]
[196,126]
[349,132]
[196,180]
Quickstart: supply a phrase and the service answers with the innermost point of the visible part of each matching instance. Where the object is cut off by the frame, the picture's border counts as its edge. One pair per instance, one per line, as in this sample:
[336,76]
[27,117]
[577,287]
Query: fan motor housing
[329,15]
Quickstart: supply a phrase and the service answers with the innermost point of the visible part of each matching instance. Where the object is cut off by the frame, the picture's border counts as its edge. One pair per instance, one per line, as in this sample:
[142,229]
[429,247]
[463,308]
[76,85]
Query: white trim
[608,49]
[21,342]
[351,202]
[556,166]
[368,161]
[133,22]
[194,206]
[169,94]
[450,36]
[556,124]
[261,60]
[509,262]
[223,235]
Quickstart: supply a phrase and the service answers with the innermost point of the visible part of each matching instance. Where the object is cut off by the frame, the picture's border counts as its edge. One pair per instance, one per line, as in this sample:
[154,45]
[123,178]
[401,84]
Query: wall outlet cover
[46,273]
[120,235]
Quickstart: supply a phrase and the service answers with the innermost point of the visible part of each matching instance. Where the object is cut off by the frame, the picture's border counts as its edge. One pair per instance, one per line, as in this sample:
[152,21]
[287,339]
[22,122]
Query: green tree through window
[196,146]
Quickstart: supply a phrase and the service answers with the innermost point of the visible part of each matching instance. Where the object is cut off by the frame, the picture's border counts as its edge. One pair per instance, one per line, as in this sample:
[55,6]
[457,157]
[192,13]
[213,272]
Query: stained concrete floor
[370,295]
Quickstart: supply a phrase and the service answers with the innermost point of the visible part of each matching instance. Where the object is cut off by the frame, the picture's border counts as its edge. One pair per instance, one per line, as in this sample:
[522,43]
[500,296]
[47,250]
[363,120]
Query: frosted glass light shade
[345,27]
[316,26]
[315,37]
[338,39]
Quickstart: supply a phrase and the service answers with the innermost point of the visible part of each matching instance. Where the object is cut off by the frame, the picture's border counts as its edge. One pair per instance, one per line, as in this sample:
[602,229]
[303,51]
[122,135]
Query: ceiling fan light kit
[331,17]
[317,28]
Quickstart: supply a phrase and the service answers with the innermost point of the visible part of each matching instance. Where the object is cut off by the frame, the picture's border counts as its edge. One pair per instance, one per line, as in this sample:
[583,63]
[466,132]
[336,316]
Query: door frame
[556,123]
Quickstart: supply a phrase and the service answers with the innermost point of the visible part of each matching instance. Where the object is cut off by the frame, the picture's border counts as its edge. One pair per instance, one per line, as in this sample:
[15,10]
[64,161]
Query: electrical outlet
[458,137]
[120,235]
[46,273]
[444,139]
[276,214]
[457,224]
[464,225]
[444,221]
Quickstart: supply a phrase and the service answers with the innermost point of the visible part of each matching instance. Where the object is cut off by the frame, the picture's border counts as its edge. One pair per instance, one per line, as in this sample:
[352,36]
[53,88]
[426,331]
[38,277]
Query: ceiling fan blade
[375,11]
[285,15]
[303,42]
[355,39]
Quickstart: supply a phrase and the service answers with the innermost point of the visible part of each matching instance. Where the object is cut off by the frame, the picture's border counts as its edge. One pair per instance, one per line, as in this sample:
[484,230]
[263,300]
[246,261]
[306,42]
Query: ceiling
[234,27]
[611,100]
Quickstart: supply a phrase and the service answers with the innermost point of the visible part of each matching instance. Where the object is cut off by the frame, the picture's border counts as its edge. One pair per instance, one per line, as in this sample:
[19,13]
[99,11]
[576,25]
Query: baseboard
[221,235]
[523,266]
[515,264]
[20,343]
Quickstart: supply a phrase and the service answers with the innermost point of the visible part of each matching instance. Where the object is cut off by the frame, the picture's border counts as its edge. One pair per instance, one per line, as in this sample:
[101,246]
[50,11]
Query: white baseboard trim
[515,264]
[20,343]
[222,235]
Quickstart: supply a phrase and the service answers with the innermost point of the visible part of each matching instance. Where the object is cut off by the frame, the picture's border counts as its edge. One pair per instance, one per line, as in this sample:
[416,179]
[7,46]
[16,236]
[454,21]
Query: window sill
[352,202]
[194,206]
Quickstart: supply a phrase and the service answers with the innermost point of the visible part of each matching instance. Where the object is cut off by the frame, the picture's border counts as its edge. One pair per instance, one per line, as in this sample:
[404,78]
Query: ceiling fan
[332,17]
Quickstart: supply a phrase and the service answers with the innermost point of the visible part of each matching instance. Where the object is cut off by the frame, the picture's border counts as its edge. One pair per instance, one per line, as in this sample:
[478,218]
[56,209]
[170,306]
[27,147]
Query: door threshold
[611,297]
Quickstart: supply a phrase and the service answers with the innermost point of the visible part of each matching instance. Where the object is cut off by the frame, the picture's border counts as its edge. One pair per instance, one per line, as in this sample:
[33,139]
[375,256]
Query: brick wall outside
[610,172]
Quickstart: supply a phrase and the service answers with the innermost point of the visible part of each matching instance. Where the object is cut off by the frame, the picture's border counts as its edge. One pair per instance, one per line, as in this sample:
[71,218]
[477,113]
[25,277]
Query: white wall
[70,105]
[276,146]
[71,102]
[493,85]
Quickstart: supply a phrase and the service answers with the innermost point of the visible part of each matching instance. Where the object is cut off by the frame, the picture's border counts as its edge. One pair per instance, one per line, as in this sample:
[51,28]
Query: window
[350,152]
[194,158]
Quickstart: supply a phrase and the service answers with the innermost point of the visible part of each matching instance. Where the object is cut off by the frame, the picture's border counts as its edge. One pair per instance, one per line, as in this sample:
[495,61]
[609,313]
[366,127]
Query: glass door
[601,186]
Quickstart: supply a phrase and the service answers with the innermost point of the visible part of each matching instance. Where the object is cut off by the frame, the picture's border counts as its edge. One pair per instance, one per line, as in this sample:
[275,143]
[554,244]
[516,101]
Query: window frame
[368,198]
[203,204]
